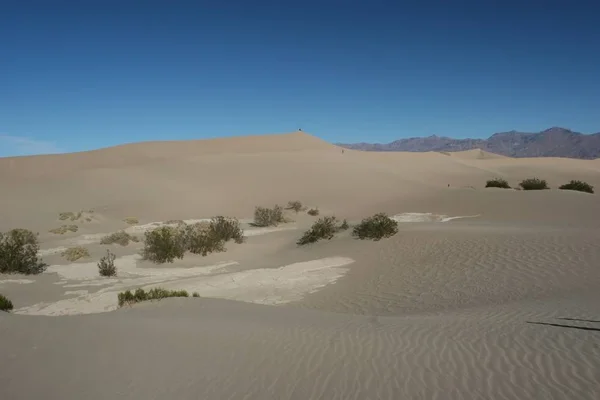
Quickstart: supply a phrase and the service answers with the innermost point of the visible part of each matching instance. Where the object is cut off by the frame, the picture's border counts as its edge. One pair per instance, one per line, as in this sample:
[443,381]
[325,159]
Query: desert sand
[483,293]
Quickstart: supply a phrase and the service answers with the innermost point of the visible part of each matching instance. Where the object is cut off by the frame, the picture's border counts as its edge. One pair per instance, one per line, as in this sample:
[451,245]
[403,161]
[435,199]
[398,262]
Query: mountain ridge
[552,142]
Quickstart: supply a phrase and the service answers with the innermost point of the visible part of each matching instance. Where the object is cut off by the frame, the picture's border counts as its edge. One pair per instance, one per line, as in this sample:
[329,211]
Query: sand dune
[483,293]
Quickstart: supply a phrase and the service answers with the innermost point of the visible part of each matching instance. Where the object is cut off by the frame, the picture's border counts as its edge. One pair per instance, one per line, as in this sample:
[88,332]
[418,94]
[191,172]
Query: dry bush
[174,222]
[579,186]
[63,216]
[268,216]
[323,228]
[164,244]
[376,227]
[18,253]
[64,229]
[75,253]
[295,205]
[5,304]
[122,238]
[106,265]
[131,220]
[313,212]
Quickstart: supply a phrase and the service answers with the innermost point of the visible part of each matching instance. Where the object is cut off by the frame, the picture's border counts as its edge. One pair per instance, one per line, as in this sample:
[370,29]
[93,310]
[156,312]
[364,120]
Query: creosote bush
[376,227]
[164,244]
[18,253]
[201,239]
[534,184]
[295,205]
[167,243]
[344,226]
[106,265]
[497,183]
[195,294]
[129,297]
[121,238]
[227,229]
[268,216]
[323,229]
[579,186]
[5,304]
[313,212]
[75,253]
[64,229]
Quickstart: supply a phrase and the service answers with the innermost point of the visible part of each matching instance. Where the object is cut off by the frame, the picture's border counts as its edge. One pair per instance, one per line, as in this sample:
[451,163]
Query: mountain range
[553,142]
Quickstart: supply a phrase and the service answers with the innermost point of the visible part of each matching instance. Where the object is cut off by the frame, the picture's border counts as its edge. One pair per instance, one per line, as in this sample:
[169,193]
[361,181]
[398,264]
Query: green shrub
[376,227]
[497,183]
[323,228]
[164,244]
[106,265]
[140,295]
[64,229]
[201,239]
[227,229]
[268,216]
[5,304]
[75,253]
[122,238]
[313,212]
[295,205]
[18,253]
[534,184]
[196,294]
[578,186]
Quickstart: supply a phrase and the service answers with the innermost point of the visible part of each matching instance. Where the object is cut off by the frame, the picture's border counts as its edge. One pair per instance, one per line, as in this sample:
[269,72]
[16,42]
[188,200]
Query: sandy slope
[447,309]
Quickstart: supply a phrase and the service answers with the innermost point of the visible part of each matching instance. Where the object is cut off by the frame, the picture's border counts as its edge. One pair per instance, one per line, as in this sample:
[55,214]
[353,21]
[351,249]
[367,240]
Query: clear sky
[77,75]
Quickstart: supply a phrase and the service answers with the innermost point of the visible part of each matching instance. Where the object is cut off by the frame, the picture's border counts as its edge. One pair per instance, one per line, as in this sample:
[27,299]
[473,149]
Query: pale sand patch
[427,217]
[269,286]
[263,286]
[16,281]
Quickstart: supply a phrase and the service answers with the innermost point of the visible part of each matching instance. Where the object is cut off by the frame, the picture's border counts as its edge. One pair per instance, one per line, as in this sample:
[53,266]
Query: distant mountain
[553,142]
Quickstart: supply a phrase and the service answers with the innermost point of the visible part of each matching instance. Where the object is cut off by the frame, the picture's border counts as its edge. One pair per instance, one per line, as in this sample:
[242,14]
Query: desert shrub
[122,238]
[195,294]
[129,297]
[534,184]
[5,304]
[18,253]
[201,239]
[64,229]
[295,205]
[268,216]
[344,226]
[75,253]
[174,222]
[227,229]
[63,216]
[376,227]
[106,265]
[323,228]
[313,212]
[578,186]
[131,220]
[497,183]
[164,244]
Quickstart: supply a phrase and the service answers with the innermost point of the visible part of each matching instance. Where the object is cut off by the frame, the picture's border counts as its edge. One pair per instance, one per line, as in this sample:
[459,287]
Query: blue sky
[77,76]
